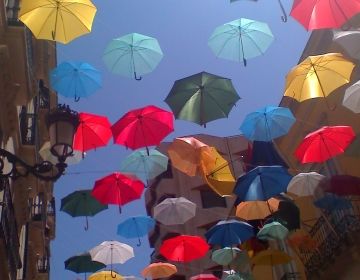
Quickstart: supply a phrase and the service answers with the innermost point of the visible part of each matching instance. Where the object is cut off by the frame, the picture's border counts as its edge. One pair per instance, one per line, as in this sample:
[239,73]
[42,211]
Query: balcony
[27,127]
[43,264]
[37,210]
[44,96]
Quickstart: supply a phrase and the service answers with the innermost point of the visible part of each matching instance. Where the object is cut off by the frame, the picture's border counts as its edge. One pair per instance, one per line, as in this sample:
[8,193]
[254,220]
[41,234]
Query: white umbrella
[305,184]
[174,211]
[352,97]
[46,154]
[349,41]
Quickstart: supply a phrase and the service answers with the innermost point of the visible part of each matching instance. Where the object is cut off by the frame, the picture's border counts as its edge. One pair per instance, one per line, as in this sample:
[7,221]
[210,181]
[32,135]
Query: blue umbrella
[264,153]
[332,202]
[230,232]
[135,227]
[262,183]
[267,123]
[75,79]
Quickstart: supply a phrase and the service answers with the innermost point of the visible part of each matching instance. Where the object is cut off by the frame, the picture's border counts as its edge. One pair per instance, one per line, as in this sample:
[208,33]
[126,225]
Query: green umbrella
[239,276]
[225,256]
[202,98]
[132,55]
[83,263]
[81,203]
[241,39]
[273,230]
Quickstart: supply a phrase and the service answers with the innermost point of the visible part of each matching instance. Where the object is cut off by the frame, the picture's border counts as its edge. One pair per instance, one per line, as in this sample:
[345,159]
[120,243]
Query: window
[210,199]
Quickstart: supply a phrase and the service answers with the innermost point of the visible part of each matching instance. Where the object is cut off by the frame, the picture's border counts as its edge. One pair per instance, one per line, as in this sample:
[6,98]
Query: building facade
[27,210]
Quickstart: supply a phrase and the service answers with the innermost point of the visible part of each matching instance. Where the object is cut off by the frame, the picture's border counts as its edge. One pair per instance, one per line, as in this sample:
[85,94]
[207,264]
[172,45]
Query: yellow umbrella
[318,76]
[255,210]
[57,20]
[271,257]
[105,275]
[216,172]
[159,270]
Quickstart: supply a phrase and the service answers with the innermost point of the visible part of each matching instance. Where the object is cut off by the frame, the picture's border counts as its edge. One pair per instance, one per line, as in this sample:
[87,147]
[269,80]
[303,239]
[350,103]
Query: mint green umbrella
[132,55]
[273,230]
[202,98]
[241,39]
[145,166]
[225,256]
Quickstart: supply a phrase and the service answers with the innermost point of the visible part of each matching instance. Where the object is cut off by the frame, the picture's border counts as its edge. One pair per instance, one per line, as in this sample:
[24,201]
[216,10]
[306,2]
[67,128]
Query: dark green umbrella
[202,98]
[81,203]
[83,264]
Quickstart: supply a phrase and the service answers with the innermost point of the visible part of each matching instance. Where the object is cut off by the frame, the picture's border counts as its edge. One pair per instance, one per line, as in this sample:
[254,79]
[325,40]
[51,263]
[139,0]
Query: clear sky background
[182,28]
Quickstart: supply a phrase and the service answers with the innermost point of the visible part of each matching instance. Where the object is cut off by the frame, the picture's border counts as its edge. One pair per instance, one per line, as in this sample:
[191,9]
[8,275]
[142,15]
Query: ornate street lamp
[62,123]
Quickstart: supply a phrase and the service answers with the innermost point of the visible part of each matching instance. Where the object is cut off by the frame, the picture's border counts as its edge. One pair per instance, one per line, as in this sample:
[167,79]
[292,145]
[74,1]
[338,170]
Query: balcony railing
[44,96]
[43,265]
[37,210]
[27,127]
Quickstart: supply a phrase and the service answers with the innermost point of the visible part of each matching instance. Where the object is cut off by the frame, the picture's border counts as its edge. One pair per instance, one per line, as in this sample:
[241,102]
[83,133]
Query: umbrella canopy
[61,20]
[302,240]
[184,153]
[106,275]
[46,154]
[349,41]
[225,256]
[352,97]
[145,165]
[267,123]
[83,264]
[262,183]
[143,127]
[184,248]
[93,132]
[239,276]
[110,252]
[331,202]
[324,143]
[202,98]
[241,39]
[318,76]
[118,189]
[204,276]
[256,210]
[273,230]
[132,55]
[264,153]
[342,185]
[75,79]
[174,211]
[304,184]
[135,227]
[159,270]
[215,171]
[288,214]
[229,232]
[321,14]
[271,257]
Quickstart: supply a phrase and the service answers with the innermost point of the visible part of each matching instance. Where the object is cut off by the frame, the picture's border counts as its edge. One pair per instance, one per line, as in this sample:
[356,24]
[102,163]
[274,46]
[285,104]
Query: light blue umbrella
[332,202]
[273,231]
[144,165]
[225,256]
[75,79]
[135,227]
[267,123]
[241,39]
[132,55]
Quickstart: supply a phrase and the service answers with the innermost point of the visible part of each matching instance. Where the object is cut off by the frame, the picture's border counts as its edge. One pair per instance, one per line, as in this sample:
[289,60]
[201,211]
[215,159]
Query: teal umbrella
[145,166]
[83,264]
[132,55]
[81,203]
[225,256]
[202,98]
[239,276]
[241,39]
[273,230]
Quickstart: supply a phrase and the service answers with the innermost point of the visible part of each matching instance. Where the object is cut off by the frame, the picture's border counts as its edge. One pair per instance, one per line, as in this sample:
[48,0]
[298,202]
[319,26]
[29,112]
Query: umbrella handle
[120,209]
[86,227]
[112,275]
[284,16]
[136,77]
[244,61]
[77,98]
[139,242]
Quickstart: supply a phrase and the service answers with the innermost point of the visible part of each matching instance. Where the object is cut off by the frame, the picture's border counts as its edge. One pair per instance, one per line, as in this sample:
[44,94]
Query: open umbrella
[93,132]
[349,41]
[174,211]
[324,143]
[83,264]
[265,153]
[267,123]
[321,14]
[184,248]
[81,203]
[106,275]
[331,202]
[241,39]
[46,154]
[273,231]
[60,20]
[143,127]
[135,227]
[204,276]
[318,76]
[132,55]
[225,256]
[118,189]
[288,214]
[256,210]
[145,166]
[229,232]
[202,98]
[304,184]
[159,270]
[352,97]
[342,185]
[75,79]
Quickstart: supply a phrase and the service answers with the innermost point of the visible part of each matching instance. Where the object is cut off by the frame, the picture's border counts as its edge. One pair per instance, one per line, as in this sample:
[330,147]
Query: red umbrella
[204,277]
[324,143]
[143,127]
[118,189]
[319,14]
[184,248]
[93,132]
[342,185]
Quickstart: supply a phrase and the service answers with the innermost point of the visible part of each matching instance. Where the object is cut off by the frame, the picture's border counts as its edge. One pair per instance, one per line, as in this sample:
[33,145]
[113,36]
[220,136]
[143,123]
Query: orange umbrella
[302,240]
[256,210]
[159,270]
[184,154]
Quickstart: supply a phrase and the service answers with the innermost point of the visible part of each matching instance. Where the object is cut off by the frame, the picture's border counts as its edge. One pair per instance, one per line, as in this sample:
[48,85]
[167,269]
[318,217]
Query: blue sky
[182,28]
